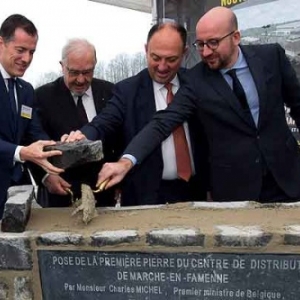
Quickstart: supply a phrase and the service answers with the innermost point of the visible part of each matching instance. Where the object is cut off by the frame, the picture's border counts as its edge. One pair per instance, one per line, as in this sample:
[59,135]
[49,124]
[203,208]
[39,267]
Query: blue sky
[112,30]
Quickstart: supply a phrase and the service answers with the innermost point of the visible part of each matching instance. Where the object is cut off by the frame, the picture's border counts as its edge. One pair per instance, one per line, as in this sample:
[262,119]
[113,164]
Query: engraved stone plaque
[80,275]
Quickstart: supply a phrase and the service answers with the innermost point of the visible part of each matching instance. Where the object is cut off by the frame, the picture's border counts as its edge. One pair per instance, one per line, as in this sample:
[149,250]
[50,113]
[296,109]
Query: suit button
[257,160]
[258,137]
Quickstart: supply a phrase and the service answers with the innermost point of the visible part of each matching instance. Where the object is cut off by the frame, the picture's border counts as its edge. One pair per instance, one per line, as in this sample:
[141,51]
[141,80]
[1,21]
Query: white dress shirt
[88,103]
[167,146]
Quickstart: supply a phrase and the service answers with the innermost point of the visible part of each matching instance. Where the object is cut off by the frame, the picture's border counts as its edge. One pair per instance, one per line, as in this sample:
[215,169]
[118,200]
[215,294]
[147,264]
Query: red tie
[183,159]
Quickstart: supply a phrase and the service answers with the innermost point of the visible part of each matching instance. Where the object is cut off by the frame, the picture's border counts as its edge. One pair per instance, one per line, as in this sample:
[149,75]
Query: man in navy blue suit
[21,137]
[253,154]
[135,101]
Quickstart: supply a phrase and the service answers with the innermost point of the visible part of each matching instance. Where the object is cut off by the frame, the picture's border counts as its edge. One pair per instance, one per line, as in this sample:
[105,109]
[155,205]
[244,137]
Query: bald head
[216,18]
[218,38]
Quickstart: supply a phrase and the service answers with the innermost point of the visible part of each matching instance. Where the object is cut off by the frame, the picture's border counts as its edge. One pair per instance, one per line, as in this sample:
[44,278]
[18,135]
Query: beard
[218,61]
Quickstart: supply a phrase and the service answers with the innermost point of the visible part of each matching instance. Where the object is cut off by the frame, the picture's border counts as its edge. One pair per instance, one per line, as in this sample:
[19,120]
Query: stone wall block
[17,208]
[76,153]
[175,237]
[23,288]
[59,238]
[4,289]
[292,235]
[241,236]
[114,237]
[222,205]
[15,252]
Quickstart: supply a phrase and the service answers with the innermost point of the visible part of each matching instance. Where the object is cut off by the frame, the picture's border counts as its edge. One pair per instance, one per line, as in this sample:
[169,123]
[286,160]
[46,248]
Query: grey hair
[76,44]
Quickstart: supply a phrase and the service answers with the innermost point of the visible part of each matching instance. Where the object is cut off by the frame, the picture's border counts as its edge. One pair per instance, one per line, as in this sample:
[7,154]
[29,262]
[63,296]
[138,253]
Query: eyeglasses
[76,73]
[212,44]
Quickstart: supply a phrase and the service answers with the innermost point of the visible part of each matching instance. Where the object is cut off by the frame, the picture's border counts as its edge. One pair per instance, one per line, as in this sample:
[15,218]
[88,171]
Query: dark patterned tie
[183,159]
[11,94]
[238,89]
[81,111]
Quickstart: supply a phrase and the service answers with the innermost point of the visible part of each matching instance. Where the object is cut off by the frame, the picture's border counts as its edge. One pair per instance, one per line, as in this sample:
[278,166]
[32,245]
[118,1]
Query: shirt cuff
[44,178]
[17,157]
[131,158]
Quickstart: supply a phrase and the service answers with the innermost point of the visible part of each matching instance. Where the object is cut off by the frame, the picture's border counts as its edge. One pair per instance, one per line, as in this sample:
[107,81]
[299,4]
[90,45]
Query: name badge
[26,112]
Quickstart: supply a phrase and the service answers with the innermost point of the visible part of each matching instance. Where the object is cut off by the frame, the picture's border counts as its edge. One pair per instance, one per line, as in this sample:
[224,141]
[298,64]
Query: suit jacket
[12,134]
[57,111]
[239,151]
[130,109]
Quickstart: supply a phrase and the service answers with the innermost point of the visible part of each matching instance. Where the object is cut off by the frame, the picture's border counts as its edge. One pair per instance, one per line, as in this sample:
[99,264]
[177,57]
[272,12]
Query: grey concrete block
[76,153]
[23,288]
[292,235]
[15,252]
[59,238]
[17,208]
[221,205]
[4,289]
[241,236]
[104,238]
[175,237]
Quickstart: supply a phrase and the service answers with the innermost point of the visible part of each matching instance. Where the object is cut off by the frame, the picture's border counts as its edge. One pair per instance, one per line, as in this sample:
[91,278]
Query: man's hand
[114,172]
[56,185]
[73,136]
[34,152]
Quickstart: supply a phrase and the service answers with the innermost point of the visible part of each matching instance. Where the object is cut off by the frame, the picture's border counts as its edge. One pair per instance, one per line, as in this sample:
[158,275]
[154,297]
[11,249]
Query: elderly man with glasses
[67,104]
[238,93]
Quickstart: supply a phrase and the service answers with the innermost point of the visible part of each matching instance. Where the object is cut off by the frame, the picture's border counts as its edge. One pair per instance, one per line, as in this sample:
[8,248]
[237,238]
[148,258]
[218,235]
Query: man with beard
[160,179]
[19,124]
[238,93]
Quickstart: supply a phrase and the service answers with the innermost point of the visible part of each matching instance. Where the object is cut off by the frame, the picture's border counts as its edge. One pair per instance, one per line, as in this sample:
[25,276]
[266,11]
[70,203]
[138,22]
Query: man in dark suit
[18,122]
[135,100]
[67,104]
[253,154]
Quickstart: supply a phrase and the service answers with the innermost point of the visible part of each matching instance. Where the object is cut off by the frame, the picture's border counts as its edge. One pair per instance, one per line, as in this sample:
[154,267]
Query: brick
[114,237]
[59,238]
[241,236]
[15,252]
[292,237]
[23,288]
[175,237]
[3,290]
[17,208]
[222,205]
[76,153]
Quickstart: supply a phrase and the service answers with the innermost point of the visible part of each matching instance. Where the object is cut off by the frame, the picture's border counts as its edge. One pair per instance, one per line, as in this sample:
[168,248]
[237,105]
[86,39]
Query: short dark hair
[13,22]
[176,26]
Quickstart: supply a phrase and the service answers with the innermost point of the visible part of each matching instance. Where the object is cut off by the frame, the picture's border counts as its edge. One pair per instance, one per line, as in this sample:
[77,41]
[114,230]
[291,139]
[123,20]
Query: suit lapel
[6,110]
[219,84]
[98,97]
[261,75]
[145,100]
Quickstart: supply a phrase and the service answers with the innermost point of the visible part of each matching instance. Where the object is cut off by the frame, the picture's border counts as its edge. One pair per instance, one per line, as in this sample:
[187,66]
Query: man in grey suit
[253,154]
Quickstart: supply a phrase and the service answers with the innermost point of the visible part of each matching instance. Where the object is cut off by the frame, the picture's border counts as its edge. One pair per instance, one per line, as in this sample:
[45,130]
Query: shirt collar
[4,74]
[88,92]
[158,86]
[239,64]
